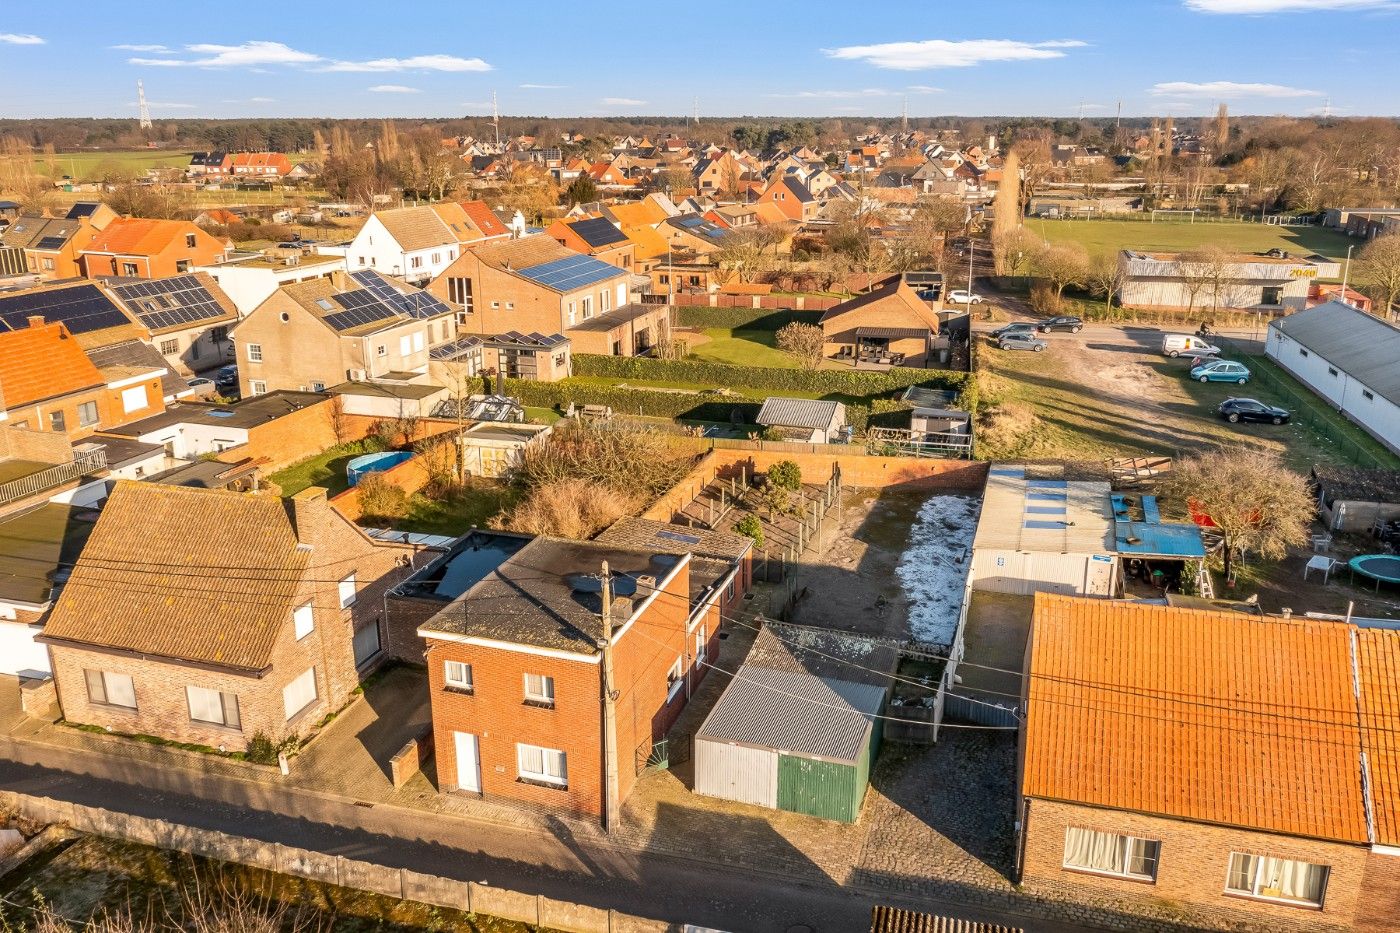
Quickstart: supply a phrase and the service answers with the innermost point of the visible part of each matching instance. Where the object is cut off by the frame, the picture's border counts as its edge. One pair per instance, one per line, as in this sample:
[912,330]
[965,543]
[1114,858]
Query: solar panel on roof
[417,304]
[82,309]
[571,272]
[81,209]
[51,242]
[176,301]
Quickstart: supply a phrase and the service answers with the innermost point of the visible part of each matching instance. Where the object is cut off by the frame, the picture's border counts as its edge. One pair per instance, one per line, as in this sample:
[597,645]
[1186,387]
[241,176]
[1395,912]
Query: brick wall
[410,476]
[43,446]
[1379,909]
[162,707]
[1191,872]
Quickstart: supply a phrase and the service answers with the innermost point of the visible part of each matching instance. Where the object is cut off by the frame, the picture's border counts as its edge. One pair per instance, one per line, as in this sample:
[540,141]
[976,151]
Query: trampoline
[1383,568]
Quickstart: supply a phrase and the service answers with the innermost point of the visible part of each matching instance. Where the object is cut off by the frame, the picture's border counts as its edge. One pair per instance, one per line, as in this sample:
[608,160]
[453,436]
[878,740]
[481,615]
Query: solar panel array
[82,309]
[571,272]
[378,300]
[598,231]
[51,242]
[459,347]
[170,302]
[528,340]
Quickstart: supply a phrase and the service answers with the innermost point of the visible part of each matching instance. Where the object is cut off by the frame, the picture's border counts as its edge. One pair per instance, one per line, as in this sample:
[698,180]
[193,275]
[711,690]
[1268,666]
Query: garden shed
[1044,535]
[788,736]
[1354,499]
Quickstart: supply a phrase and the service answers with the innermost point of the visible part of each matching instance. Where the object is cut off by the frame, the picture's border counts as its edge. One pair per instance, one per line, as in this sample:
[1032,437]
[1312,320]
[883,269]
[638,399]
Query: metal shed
[791,740]
[1044,535]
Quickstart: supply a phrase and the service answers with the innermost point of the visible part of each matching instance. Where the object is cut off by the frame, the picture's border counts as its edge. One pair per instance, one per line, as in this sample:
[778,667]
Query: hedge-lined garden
[848,382]
[741,318]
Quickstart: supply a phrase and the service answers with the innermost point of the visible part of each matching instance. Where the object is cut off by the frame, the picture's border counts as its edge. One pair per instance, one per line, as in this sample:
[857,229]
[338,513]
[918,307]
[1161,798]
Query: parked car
[1063,322]
[961,296]
[1021,340]
[1249,409]
[202,386]
[226,377]
[928,294]
[1021,327]
[1221,371]
[1174,345]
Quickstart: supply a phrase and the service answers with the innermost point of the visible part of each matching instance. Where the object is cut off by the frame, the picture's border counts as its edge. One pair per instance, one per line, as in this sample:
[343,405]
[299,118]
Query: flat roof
[123,450]
[400,390]
[37,546]
[1048,516]
[247,413]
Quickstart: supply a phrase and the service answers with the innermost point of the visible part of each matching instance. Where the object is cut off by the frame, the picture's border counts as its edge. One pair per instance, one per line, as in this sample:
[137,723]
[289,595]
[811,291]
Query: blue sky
[445,57]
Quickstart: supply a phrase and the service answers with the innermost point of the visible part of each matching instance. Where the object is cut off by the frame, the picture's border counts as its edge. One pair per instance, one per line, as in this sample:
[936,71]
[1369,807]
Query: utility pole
[144,120]
[697,110]
[609,709]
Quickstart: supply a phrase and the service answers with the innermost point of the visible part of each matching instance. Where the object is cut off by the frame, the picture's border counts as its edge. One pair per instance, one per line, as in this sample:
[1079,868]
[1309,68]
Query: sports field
[85,166]
[1110,236]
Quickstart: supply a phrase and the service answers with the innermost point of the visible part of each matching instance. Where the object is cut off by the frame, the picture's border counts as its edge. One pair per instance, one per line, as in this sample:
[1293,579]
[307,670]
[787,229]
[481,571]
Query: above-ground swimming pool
[359,467]
[1383,568]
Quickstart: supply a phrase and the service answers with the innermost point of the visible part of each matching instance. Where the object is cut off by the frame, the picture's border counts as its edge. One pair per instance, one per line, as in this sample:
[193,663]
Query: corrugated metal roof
[801,413]
[1363,346]
[795,712]
[1052,516]
[898,920]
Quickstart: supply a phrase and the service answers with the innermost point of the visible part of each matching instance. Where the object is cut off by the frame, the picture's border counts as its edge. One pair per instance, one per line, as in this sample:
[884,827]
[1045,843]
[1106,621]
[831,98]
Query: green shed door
[818,788]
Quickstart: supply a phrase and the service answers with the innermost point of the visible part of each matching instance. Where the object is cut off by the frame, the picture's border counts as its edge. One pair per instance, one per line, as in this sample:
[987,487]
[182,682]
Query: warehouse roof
[796,713]
[1360,344]
[1055,516]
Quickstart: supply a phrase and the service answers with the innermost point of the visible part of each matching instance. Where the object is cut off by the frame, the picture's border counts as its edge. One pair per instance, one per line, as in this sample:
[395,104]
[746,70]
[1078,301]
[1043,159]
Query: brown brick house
[533,284]
[52,246]
[516,667]
[888,322]
[1243,768]
[137,247]
[209,616]
[594,236]
[359,326]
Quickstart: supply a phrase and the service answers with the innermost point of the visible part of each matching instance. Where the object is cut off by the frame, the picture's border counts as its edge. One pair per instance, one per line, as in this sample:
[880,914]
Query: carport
[1153,553]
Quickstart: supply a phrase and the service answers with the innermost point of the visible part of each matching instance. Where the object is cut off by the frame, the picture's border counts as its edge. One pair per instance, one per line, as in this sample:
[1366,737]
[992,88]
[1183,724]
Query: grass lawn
[454,516]
[742,348]
[743,392]
[82,166]
[542,415]
[325,469]
[1109,236]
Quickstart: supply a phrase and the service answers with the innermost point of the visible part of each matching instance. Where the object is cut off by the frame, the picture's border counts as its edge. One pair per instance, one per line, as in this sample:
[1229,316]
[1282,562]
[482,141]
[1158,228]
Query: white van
[1174,345]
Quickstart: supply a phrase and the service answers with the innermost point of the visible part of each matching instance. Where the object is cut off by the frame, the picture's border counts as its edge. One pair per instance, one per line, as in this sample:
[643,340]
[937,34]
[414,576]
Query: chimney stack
[36,320]
[308,510]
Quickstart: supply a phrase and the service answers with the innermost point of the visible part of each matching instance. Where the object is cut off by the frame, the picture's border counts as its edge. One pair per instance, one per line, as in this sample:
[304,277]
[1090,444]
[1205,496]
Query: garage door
[736,772]
[19,653]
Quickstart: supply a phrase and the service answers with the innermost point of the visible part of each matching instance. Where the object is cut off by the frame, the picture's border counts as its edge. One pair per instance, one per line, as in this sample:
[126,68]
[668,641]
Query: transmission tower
[697,111]
[496,120]
[145,117]
[904,117]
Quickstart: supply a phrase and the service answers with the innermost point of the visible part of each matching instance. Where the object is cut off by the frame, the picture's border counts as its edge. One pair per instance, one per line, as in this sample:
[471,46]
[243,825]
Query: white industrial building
[1348,357]
[1044,535]
[1265,283]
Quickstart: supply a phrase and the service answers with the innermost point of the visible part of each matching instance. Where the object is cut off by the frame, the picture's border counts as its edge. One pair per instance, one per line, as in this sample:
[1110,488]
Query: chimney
[36,320]
[308,510]
[1287,613]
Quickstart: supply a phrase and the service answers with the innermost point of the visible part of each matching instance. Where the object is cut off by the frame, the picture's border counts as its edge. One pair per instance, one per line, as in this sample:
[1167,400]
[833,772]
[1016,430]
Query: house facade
[52,246]
[187,318]
[134,247]
[1348,357]
[270,649]
[418,243]
[1244,795]
[890,324]
[357,327]
[518,683]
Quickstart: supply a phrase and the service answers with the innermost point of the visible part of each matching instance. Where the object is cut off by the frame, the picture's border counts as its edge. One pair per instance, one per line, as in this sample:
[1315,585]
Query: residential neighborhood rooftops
[83,307]
[363,302]
[134,357]
[246,413]
[1218,717]
[175,302]
[43,361]
[547,594]
[138,236]
[1362,344]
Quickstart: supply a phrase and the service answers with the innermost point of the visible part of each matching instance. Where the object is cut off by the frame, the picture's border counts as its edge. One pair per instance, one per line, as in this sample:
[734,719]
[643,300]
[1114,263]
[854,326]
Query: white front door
[468,762]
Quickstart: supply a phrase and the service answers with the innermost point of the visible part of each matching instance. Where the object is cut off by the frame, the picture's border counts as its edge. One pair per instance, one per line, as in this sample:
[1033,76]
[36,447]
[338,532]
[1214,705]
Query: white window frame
[604,301]
[1258,880]
[417,341]
[557,775]
[587,307]
[303,621]
[702,641]
[675,679]
[205,700]
[345,590]
[573,313]
[257,387]
[1123,870]
[83,409]
[255,353]
[405,345]
[106,681]
[294,688]
[544,696]
[457,675]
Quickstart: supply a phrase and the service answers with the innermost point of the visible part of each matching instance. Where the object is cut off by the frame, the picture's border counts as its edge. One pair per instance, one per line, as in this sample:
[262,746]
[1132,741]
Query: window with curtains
[300,693]
[457,675]
[1111,854]
[542,765]
[1276,879]
[213,706]
[111,689]
[539,690]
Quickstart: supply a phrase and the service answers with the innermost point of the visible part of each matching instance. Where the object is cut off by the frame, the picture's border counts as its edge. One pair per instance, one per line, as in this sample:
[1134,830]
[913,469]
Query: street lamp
[1346,274]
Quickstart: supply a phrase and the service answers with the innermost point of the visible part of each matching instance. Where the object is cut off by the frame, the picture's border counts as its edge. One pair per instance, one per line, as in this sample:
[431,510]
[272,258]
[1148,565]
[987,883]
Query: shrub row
[741,318]
[859,383]
[629,401]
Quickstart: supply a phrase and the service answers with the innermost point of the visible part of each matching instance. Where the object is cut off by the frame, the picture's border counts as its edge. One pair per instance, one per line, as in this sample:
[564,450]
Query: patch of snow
[933,569]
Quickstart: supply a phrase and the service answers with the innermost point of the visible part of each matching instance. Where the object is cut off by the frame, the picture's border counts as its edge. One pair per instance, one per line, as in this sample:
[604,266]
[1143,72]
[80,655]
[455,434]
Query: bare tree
[1104,277]
[1193,267]
[804,342]
[1061,265]
[1378,265]
[1006,206]
[1257,504]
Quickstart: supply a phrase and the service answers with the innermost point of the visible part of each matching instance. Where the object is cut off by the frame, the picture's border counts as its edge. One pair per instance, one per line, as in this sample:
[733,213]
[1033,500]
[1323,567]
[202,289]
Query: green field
[743,348]
[1110,236]
[86,166]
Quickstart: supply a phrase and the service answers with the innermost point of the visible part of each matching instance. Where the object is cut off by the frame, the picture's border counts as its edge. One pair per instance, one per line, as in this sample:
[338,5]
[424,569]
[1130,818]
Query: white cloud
[1217,89]
[543,87]
[622,102]
[944,53]
[252,100]
[415,63]
[923,89]
[248,54]
[394,89]
[1285,6]
[126,47]
[20,38]
[164,105]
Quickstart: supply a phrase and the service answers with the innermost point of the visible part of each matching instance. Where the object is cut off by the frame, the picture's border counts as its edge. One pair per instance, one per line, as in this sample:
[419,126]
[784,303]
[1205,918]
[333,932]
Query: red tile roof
[1211,716]
[43,362]
[481,215]
[138,236]
[1378,667]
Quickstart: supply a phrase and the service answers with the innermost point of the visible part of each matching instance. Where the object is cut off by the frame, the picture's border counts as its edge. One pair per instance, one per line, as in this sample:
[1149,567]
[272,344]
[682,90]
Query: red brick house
[791,197]
[134,247]
[209,616]
[1245,769]
[517,666]
[258,164]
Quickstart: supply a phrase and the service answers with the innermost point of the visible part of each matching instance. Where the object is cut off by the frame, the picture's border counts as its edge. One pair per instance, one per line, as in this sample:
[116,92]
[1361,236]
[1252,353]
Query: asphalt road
[555,865]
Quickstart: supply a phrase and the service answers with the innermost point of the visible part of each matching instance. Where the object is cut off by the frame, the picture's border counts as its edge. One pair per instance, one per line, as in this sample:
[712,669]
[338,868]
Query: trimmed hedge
[851,382]
[742,318]
[630,401]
